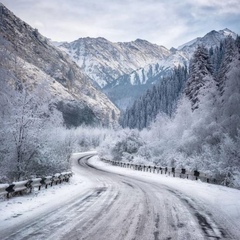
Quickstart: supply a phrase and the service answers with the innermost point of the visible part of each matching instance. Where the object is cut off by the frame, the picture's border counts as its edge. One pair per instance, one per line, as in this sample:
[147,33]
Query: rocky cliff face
[39,61]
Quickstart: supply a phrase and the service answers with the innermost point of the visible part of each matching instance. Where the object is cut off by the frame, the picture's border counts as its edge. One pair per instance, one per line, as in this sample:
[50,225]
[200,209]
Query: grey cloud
[169,23]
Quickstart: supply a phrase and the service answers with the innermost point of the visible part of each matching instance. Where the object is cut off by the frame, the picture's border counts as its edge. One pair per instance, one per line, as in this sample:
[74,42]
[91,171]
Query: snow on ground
[217,198]
[20,208]
[220,200]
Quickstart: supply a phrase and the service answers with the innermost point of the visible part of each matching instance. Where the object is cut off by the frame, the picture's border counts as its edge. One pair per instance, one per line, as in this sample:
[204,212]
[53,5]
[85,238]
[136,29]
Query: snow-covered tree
[203,131]
[230,88]
[200,75]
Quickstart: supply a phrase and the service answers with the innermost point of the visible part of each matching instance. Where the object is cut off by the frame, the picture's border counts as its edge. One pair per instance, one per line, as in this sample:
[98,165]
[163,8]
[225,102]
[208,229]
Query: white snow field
[107,202]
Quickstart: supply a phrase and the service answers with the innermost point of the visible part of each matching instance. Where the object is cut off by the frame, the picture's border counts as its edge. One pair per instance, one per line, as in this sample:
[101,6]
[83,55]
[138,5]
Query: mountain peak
[212,38]
[228,32]
[91,39]
[213,32]
[141,40]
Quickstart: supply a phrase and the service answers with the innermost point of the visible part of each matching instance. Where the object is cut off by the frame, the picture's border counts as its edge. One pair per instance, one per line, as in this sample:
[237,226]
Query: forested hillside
[163,97]
[203,131]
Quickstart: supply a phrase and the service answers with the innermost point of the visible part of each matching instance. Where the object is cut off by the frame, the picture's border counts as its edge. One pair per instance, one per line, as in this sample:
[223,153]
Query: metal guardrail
[21,187]
[170,171]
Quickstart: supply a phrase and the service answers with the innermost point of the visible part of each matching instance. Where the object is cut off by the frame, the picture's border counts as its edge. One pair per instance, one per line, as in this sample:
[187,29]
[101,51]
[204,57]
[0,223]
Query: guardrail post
[48,180]
[183,172]
[42,183]
[10,190]
[196,174]
[36,182]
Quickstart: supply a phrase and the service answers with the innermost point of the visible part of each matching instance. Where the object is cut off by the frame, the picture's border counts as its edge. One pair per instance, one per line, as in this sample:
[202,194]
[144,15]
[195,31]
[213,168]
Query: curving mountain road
[120,207]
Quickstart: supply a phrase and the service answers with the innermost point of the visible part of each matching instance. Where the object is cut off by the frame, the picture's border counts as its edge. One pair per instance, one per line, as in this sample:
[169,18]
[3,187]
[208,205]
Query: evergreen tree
[200,74]
[229,51]
[230,88]
[161,98]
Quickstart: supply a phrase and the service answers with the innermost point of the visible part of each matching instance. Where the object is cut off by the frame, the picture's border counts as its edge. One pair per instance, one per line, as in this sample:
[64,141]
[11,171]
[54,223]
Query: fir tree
[200,71]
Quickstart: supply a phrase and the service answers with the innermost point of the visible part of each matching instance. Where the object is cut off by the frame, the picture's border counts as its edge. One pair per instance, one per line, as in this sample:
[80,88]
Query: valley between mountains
[64,106]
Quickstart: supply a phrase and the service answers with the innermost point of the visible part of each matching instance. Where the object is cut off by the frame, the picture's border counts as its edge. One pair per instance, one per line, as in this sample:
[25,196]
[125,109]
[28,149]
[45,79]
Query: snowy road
[115,205]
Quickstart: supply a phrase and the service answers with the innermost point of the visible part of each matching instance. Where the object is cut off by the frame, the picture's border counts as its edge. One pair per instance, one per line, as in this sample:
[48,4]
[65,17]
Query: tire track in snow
[208,225]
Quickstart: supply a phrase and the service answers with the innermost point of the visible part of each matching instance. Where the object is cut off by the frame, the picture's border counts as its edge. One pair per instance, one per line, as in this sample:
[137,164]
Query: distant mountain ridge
[141,79]
[118,66]
[105,61]
[181,56]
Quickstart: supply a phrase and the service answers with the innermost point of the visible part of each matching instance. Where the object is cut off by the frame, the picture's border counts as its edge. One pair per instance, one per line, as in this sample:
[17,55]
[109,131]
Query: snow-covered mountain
[30,57]
[133,65]
[104,61]
[180,56]
[153,73]
[211,39]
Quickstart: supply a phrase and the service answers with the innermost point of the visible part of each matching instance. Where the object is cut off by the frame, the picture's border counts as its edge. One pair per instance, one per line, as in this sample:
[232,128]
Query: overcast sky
[164,22]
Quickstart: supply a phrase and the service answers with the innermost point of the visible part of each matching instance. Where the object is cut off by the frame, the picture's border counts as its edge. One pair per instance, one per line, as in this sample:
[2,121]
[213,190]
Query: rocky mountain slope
[104,61]
[31,58]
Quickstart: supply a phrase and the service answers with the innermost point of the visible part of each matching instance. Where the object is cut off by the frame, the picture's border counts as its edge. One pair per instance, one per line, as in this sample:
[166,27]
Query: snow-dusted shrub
[120,144]
[229,159]
[129,143]
[88,137]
